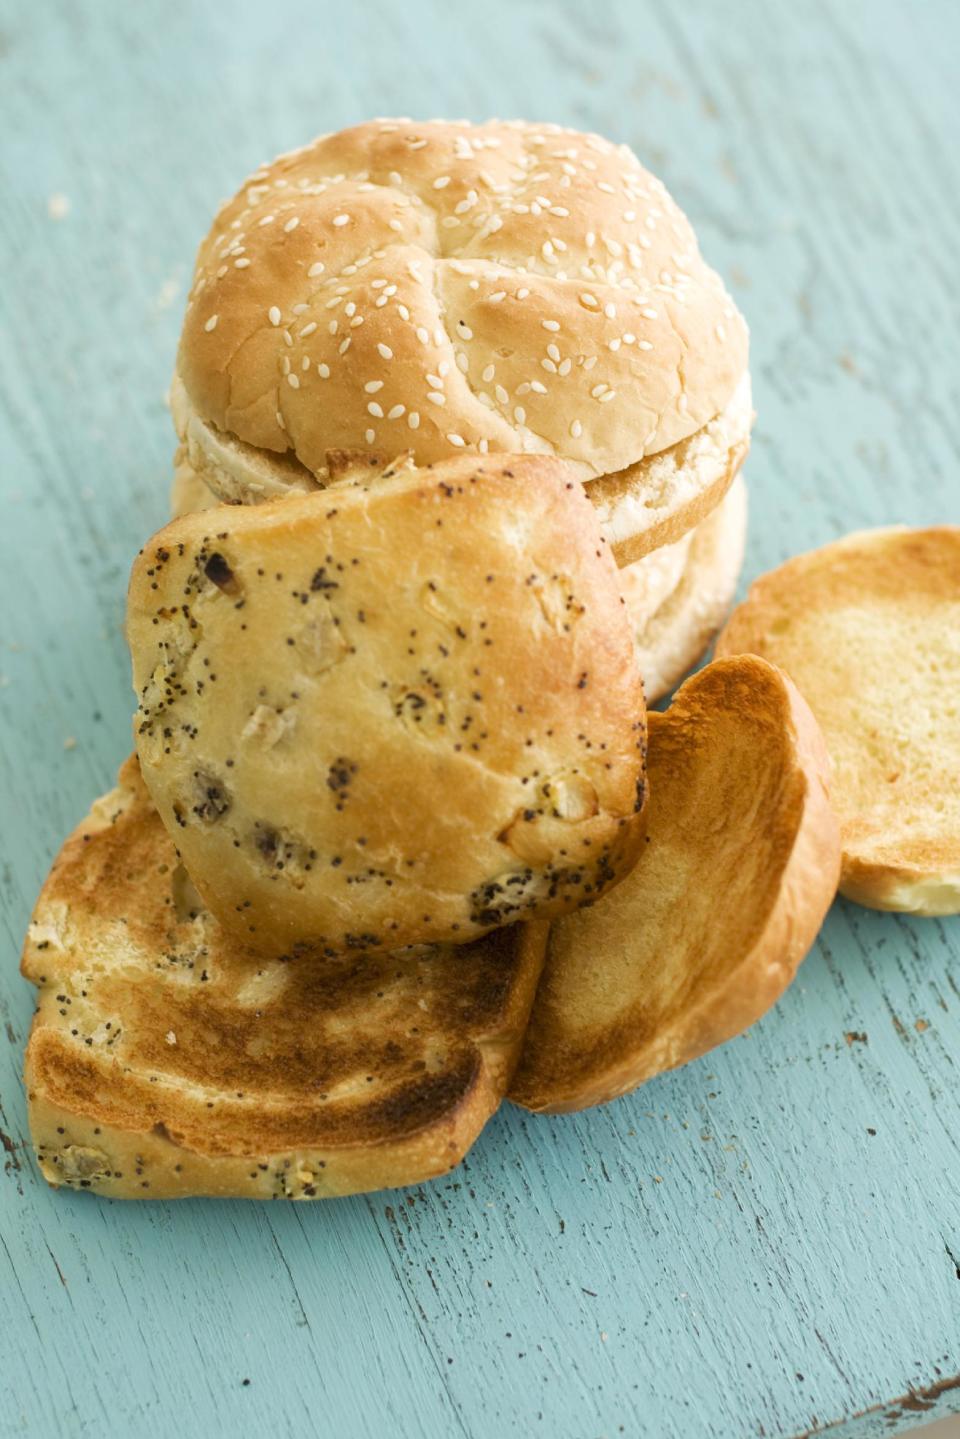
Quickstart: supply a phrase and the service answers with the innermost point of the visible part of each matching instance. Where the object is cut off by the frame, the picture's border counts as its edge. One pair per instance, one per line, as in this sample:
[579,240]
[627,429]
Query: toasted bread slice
[740,867]
[869,628]
[675,622]
[165,1062]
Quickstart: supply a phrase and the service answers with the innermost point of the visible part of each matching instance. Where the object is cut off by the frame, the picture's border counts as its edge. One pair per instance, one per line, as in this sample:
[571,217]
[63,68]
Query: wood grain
[766,1243]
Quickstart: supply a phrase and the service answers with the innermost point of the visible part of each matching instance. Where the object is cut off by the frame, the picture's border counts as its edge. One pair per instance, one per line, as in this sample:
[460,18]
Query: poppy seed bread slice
[165,1061]
[869,629]
[739,869]
[395,714]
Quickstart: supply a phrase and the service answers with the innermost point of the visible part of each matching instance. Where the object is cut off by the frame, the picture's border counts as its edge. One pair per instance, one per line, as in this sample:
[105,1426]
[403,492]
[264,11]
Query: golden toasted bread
[163,1061]
[740,866]
[869,628]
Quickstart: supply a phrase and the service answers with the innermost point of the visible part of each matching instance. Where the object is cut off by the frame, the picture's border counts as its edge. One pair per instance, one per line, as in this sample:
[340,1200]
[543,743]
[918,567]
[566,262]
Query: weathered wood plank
[764,1243]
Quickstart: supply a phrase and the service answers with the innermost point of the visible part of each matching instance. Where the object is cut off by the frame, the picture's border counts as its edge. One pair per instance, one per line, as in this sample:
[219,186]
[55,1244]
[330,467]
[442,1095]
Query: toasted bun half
[869,628]
[739,869]
[678,596]
[394,714]
[435,287]
[164,1061]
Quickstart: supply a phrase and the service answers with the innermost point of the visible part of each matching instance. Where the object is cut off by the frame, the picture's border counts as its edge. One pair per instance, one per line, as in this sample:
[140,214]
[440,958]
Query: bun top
[445,286]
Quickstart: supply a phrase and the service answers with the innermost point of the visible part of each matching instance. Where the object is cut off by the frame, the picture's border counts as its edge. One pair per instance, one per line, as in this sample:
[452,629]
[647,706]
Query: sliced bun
[869,628]
[392,714]
[520,273]
[648,505]
[675,622]
[739,869]
[164,1061]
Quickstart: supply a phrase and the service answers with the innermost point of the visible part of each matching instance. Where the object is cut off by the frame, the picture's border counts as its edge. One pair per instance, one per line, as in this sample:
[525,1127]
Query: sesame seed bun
[442,287]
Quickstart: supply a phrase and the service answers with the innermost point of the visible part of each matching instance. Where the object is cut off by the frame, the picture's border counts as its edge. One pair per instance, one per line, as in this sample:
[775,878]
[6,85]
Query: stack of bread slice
[461,413]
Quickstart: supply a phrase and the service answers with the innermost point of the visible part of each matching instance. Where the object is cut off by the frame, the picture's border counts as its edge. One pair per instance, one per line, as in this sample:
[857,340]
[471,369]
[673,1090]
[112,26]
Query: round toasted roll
[869,628]
[738,871]
[392,714]
[165,1060]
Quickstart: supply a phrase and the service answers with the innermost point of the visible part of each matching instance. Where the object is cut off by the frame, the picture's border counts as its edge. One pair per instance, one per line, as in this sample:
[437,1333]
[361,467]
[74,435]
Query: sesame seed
[300,309]
[370,436]
[222,271]
[323,371]
[280,421]
[576,429]
[395,412]
[267,220]
[598,390]
[537,387]
[305,363]
[463,364]
[372,386]
[613,345]
[464,331]
[520,415]
[457,440]
[413,420]
[211,323]
[357,320]
[345,345]
[308,329]
[497,296]
[384,351]
[522,293]
[501,394]
[548,364]
[341,220]
[436,398]
[649,314]
[644,345]
[589,300]
[293,381]
[550,324]
[285,364]
[403,312]
[374,409]
[273,314]
[441,182]
[610,310]
[609,395]
[488,374]
[287,338]
[291,224]
[423,335]
[565,366]
[315,269]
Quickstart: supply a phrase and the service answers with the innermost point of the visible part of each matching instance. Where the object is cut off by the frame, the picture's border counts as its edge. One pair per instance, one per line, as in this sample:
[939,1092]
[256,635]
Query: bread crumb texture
[869,628]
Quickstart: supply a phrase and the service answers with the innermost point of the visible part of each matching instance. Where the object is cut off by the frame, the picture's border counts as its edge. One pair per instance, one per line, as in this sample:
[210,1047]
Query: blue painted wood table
[765,1243]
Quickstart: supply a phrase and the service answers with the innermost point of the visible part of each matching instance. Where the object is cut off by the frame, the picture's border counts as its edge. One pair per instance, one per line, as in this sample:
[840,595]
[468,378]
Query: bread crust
[393,714]
[516,273]
[708,930]
[673,628]
[164,1061]
[869,628]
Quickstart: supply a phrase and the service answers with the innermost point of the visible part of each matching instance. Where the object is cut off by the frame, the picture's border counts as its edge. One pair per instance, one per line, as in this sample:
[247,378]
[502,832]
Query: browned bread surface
[869,628]
[739,868]
[395,714]
[165,1061]
[436,286]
